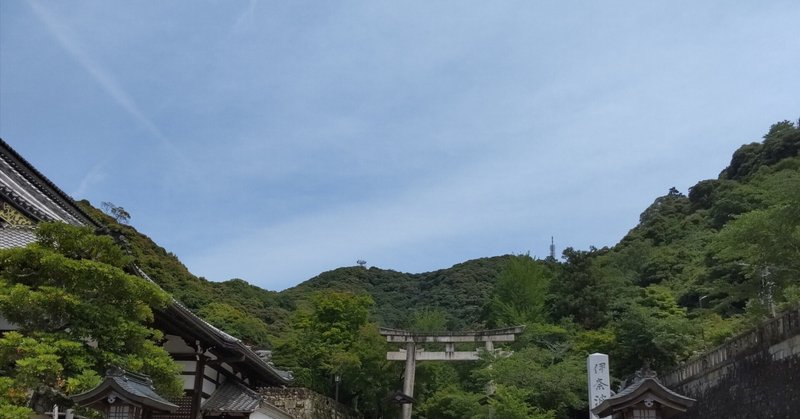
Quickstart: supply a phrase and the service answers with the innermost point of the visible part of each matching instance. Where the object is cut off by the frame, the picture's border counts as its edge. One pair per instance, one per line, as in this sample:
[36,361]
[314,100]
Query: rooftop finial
[645,371]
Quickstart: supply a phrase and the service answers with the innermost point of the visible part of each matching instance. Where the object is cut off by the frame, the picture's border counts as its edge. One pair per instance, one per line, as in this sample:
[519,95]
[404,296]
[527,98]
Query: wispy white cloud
[72,44]
[246,16]
[94,176]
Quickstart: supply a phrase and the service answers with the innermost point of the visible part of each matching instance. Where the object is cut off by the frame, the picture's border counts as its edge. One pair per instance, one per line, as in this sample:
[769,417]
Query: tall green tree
[585,290]
[510,403]
[333,337]
[79,313]
[654,329]
[553,383]
[764,245]
[429,320]
[520,293]
[661,222]
[451,403]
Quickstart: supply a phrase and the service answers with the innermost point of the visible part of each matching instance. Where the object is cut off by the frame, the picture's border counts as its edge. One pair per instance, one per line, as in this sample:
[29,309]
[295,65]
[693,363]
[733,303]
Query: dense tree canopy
[78,313]
[519,294]
[331,337]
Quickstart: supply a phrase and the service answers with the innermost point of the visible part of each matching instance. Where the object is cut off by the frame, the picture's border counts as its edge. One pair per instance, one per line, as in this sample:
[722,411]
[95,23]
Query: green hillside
[696,269]
[461,291]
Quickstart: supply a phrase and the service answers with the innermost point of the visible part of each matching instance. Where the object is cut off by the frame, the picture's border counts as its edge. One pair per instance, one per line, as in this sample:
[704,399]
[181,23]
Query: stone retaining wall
[303,403]
[754,375]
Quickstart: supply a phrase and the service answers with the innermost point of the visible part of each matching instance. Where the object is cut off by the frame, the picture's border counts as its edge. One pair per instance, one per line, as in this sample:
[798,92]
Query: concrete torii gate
[411,354]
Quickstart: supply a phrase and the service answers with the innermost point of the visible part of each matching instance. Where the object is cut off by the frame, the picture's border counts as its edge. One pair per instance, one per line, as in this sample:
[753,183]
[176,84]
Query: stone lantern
[644,398]
[125,395]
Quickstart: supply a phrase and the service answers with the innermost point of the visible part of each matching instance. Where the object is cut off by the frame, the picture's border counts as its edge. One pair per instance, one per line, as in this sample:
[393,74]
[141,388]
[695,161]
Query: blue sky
[271,141]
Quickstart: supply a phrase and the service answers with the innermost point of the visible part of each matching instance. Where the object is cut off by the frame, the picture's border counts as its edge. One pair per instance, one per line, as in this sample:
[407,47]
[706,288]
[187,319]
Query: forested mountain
[461,290]
[696,269]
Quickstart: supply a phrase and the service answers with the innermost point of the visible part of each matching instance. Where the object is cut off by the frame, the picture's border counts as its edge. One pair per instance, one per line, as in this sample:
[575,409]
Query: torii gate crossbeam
[411,354]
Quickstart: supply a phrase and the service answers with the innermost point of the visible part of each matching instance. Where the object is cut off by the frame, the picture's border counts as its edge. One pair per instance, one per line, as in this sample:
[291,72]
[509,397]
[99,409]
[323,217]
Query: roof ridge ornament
[116,371]
[645,371]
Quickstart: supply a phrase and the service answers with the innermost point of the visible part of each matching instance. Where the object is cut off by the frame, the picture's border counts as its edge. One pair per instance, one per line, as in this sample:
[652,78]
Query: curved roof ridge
[230,341]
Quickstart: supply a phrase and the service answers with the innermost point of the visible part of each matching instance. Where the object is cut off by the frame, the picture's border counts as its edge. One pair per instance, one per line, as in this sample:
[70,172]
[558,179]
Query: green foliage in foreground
[79,313]
[332,337]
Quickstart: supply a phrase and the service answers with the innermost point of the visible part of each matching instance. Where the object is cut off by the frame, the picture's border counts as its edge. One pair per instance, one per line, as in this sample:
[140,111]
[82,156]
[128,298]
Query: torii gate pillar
[411,354]
[408,379]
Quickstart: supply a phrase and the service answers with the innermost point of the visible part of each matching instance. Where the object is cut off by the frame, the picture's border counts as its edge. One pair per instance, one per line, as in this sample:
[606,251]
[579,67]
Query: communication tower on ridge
[552,248]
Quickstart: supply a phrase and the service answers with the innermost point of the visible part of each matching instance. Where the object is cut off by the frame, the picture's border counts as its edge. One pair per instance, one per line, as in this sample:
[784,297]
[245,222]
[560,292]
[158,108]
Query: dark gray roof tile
[138,385]
[137,388]
[232,397]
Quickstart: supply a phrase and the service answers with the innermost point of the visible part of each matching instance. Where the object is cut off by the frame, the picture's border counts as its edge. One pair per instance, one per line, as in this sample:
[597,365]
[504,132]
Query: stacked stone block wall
[303,403]
[755,375]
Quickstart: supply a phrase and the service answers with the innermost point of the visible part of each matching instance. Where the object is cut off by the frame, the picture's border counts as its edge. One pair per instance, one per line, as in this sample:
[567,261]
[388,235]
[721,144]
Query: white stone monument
[599,381]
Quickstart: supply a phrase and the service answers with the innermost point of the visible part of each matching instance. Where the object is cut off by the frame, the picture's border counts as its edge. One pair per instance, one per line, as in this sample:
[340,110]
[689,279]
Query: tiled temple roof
[231,397]
[136,388]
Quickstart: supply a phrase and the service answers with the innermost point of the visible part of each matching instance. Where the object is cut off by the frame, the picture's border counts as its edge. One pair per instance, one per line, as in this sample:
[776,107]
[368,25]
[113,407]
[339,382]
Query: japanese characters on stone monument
[599,381]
